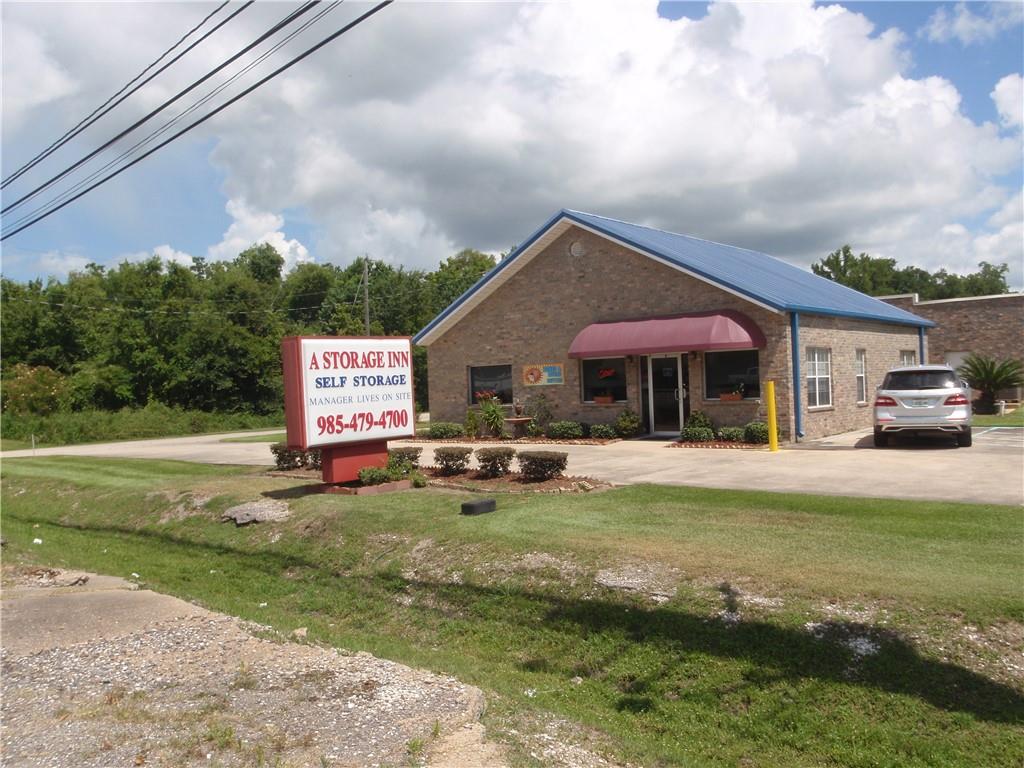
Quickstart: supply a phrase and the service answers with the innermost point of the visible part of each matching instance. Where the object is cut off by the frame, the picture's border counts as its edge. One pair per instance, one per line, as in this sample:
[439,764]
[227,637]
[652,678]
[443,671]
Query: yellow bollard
[773,423]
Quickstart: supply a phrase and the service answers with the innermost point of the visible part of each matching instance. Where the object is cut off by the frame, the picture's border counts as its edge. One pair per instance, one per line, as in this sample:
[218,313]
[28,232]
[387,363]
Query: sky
[790,128]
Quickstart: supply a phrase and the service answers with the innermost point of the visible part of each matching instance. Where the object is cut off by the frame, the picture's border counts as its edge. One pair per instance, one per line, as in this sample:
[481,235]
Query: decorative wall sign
[543,375]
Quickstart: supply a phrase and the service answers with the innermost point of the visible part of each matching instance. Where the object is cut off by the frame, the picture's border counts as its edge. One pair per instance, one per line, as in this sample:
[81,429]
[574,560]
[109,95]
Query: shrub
[756,432]
[418,480]
[731,434]
[564,430]
[539,408]
[374,476]
[495,462]
[472,423]
[493,416]
[39,390]
[700,419]
[628,424]
[453,459]
[691,434]
[533,429]
[314,459]
[989,376]
[442,430]
[286,458]
[399,467]
[542,465]
[410,455]
[602,431]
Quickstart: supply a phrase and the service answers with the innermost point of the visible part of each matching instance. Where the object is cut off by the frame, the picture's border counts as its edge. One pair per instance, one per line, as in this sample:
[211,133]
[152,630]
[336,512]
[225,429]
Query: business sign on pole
[344,391]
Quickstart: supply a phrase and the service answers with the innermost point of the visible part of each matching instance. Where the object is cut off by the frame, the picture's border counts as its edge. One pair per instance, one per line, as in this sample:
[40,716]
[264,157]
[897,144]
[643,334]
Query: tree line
[878,276]
[206,336]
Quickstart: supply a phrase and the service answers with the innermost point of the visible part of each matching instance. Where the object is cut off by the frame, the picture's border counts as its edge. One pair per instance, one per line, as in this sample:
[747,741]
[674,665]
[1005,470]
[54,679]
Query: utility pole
[366,291]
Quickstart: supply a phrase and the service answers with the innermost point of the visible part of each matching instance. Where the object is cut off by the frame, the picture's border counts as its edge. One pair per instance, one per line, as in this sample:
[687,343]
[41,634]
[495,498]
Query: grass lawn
[7,444]
[915,609]
[1012,419]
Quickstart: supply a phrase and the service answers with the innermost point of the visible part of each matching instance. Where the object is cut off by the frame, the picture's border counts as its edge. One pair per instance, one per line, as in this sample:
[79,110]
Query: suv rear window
[920,380]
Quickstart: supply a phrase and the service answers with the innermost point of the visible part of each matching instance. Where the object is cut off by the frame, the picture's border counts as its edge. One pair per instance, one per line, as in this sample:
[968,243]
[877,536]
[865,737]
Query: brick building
[599,315]
[986,325]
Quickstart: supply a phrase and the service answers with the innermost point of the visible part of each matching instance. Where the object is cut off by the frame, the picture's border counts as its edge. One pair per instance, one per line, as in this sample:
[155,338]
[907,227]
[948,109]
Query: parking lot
[986,440]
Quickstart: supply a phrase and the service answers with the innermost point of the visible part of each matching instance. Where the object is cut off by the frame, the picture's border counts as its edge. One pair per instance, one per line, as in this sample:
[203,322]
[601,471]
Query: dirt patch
[202,690]
[32,576]
[513,482]
[652,580]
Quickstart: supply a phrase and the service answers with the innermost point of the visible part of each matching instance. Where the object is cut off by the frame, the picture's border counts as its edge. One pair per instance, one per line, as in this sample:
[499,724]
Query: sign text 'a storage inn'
[347,390]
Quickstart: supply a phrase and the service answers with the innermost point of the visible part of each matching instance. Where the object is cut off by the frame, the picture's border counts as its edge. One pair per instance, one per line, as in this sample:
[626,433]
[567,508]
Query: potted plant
[604,397]
[736,394]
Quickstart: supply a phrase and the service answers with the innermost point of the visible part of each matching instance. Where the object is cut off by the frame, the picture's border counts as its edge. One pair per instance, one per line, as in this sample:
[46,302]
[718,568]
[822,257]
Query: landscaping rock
[264,511]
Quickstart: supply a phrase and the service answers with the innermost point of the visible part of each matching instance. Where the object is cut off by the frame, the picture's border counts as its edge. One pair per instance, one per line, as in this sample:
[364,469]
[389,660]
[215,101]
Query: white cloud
[790,128]
[252,227]
[60,264]
[165,253]
[1009,98]
[31,76]
[969,27]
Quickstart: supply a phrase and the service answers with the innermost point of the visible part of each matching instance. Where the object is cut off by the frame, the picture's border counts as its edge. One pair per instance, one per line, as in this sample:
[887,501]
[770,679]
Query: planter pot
[730,397]
[604,399]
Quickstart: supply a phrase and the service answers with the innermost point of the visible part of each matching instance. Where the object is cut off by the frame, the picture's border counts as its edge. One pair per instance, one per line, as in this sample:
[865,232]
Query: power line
[93,116]
[309,51]
[167,125]
[227,62]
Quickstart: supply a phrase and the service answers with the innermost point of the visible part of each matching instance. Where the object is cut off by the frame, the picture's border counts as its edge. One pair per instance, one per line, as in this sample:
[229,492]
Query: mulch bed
[510,440]
[719,444]
[513,482]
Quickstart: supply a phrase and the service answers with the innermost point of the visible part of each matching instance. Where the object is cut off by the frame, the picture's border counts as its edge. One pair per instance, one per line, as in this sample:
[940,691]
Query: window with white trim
[908,357]
[819,377]
[861,366]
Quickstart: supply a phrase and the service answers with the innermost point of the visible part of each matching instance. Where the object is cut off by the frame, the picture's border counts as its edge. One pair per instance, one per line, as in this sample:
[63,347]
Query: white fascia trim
[677,267]
[974,298]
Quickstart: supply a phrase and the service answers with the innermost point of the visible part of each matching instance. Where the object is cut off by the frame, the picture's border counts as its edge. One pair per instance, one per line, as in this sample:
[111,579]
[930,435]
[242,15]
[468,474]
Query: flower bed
[513,440]
[719,444]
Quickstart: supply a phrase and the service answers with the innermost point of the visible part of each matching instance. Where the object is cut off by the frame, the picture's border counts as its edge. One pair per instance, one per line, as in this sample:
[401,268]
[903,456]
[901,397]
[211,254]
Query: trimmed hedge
[374,476]
[443,430]
[691,434]
[542,465]
[756,432]
[564,430]
[452,459]
[495,462]
[628,424]
[731,434]
[603,431]
[407,454]
[700,419]
[286,458]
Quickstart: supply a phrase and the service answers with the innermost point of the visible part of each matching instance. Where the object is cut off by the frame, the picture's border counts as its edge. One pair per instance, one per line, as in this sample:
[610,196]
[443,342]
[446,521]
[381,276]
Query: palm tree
[989,376]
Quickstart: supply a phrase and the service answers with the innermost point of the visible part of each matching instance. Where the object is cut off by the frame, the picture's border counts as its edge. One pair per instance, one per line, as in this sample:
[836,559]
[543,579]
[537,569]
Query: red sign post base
[341,463]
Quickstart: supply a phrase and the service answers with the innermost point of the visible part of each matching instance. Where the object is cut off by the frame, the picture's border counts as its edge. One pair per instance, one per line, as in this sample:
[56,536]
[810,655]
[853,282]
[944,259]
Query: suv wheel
[881,439]
[964,439]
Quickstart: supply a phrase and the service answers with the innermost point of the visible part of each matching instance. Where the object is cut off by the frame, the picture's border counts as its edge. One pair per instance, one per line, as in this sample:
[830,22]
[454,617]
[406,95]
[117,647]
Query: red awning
[725,329]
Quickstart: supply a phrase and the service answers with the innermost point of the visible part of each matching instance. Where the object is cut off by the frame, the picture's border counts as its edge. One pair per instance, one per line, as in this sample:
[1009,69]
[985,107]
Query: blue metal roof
[758,276]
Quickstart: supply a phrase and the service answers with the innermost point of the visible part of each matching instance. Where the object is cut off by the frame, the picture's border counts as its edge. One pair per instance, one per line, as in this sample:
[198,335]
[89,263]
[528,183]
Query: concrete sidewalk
[842,465]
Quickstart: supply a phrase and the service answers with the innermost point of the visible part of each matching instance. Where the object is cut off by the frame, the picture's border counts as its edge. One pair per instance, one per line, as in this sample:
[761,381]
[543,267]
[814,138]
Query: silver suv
[923,398]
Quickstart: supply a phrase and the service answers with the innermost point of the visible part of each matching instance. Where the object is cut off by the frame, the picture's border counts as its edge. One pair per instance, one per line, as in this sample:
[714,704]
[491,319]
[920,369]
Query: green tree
[262,261]
[990,376]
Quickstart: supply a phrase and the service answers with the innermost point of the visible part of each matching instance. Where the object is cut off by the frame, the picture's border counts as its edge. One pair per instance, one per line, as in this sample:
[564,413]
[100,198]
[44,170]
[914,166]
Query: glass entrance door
[664,381]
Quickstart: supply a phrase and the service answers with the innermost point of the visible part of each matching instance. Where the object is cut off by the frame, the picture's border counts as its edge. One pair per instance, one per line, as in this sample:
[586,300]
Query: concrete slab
[847,465]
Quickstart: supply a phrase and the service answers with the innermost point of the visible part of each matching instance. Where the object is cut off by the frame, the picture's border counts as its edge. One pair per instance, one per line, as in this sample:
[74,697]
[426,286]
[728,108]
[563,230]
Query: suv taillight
[957,400]
[884,400]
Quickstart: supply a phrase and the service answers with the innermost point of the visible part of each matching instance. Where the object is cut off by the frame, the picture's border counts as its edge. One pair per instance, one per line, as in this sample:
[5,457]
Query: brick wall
[533,318]
[988,325]
[882,343]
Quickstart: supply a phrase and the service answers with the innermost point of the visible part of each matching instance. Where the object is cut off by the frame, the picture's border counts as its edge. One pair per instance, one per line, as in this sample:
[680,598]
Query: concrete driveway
[992,471]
